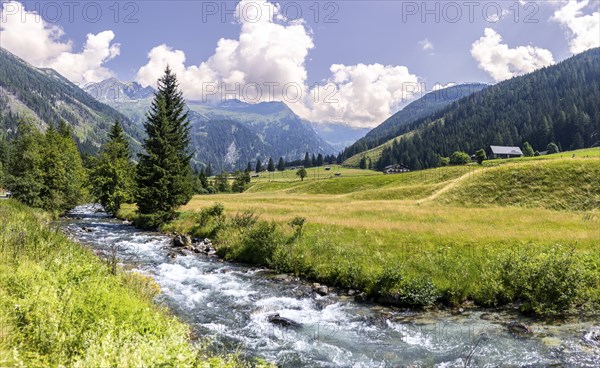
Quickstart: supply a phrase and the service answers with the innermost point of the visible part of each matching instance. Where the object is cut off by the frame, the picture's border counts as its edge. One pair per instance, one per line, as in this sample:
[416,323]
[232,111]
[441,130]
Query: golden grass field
[456,228]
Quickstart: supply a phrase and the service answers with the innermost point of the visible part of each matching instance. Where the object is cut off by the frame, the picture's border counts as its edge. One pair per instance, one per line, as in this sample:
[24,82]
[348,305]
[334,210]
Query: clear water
[231,303]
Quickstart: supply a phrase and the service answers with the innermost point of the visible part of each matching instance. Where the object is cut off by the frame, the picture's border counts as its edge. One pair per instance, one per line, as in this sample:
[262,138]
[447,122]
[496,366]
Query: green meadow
[60,305]
[521,232]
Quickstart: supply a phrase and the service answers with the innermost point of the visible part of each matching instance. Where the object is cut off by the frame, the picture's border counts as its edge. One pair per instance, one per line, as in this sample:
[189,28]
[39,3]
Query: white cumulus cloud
[426,44]
[267,63]
[362,95]
[27,35]
[502,62]
[584,30]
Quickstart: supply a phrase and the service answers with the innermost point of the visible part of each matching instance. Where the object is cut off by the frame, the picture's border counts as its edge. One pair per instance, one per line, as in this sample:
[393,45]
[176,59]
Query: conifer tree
[164,176]
[271,165]
[306,160]
[320,160]
[258,166]
[281,164]
[112,177]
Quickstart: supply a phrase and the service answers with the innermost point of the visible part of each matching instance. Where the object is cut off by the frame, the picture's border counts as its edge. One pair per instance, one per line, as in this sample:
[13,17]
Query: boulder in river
[182,241]
[518,328]
[276,319]
[320,289]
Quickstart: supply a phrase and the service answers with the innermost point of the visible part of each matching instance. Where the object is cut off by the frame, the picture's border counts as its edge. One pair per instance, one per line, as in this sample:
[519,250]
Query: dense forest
[555,104]
[421,108]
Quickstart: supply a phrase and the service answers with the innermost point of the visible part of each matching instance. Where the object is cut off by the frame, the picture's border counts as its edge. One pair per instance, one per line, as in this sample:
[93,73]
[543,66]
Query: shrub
[259,243]
[547,283]
[459,158]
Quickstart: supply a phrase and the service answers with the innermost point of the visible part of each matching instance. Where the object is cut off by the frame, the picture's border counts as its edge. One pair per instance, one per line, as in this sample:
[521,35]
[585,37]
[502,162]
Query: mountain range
[43,96]
[555,104]
[227,134]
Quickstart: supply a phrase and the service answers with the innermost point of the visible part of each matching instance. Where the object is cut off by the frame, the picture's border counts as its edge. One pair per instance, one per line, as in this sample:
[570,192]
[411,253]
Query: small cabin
[505,152]
[396,169]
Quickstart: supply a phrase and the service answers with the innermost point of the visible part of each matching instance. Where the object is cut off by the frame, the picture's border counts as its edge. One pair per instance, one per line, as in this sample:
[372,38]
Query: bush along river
[258,313]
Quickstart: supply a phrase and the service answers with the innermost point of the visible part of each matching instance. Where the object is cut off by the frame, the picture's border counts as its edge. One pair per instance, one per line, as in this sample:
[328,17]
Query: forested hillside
[421,108]
[554,104]
[46,97]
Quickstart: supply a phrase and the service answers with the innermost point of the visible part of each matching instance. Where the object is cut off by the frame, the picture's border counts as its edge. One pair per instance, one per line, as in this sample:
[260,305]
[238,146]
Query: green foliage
[363,163]
[281,164]
[307,161]
[297,224]
[481,156]
[567,184]
[554,104]
[222,183]
[443,161]
[547,282]
[552,148]
[46,171]
[112,177]
[53,98]
[536,153]
[209,222]
[459,158]
[164,177]
[60,306]
[259,167]
[270,165]
[419,109]
[241,181]
[527,150]
[301,173]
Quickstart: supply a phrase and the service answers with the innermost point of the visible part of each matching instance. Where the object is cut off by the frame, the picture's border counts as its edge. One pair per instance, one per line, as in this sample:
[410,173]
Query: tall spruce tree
[271,165]
[164,176]
[281,164]
[112,177]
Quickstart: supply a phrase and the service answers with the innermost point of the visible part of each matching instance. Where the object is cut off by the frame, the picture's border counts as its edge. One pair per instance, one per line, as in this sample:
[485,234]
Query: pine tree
[164,176]
[209,170]
[281,164]
[203,178]
[313,161]
[258,166]
[306,160]
[249,167]
[112,177]
[271,165]
[320,160]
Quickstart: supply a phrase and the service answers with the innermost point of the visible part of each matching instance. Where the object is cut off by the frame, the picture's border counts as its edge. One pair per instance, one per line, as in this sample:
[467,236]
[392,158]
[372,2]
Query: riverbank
[425,249]
[60,305]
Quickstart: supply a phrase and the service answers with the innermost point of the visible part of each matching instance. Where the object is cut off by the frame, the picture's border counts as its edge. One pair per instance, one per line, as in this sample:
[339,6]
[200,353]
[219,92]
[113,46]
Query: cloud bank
[267,63]
[583,30]
[27,35]
[501,62]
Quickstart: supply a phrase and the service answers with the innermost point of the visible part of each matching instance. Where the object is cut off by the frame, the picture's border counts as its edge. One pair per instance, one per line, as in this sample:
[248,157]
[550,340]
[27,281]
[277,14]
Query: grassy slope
[359,228]
[374,153]
[60,306]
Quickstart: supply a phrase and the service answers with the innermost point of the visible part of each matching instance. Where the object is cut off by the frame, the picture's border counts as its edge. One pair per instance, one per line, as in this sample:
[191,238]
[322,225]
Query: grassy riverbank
[521,231]
[60,306]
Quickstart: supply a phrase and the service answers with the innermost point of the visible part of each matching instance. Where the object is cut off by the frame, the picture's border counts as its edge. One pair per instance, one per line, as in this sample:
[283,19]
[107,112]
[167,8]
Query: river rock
[351,292]
[320,289]
[276,319]
[182,241]
[360,297]
[518,328]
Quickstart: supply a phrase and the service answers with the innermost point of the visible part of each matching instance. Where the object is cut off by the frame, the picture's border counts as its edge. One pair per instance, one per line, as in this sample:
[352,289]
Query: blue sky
[377,45]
